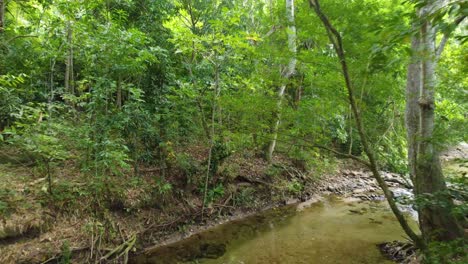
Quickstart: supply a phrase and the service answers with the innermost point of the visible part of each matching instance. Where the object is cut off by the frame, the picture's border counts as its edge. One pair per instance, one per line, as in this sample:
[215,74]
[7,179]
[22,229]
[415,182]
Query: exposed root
[400,252]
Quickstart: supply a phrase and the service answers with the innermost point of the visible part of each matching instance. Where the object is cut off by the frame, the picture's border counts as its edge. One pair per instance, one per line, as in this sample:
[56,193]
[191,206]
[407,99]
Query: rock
[291,201]
[351,200]
[357,191]
[212,251]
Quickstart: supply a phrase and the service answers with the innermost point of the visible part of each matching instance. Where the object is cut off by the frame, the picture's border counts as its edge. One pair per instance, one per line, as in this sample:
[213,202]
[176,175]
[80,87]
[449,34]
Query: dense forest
[123,122]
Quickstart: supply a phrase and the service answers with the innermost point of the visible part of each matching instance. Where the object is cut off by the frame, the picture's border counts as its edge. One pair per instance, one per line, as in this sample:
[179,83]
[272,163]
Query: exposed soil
[34,228]
[39,232]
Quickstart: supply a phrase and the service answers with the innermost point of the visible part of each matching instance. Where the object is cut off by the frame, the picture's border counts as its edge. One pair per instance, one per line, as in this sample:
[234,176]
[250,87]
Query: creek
[329,231]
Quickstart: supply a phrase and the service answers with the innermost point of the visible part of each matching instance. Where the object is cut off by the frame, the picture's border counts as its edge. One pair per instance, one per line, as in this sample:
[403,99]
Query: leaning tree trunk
[435,218]
[290,69]
[335,38]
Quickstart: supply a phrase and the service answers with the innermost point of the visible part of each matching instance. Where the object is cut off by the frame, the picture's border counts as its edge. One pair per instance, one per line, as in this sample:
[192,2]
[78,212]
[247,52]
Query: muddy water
[331,231]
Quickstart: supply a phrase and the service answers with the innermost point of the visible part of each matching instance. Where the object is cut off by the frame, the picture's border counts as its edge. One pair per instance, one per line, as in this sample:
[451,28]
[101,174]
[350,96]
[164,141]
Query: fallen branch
[121,250]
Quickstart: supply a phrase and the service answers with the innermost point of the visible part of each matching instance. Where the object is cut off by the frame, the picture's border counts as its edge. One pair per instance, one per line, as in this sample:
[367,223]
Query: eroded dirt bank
[44,233]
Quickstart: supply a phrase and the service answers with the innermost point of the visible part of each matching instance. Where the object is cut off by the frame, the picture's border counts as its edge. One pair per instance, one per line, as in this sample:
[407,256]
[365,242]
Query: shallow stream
[330,231]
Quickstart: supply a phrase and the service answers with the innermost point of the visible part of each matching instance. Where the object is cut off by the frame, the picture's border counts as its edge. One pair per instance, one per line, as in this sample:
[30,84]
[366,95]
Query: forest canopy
[96,94]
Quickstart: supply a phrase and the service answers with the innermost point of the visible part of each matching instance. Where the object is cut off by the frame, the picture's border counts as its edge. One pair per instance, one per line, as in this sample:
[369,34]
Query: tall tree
[337,42]
[435,218]
[69,85]
[287,73]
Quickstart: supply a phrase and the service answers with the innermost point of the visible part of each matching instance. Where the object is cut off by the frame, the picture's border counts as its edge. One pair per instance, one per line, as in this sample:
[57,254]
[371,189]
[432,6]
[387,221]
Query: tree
[435,217]
[2,15]
[337,42]
[286,74]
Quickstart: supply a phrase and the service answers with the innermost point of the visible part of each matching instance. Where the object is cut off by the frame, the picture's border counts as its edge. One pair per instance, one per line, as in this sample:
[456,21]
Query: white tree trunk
[286,74]
[413,90]
[69,86]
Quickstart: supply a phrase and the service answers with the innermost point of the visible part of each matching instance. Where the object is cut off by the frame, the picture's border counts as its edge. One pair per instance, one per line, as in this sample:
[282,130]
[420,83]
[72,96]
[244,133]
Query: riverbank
[73,227]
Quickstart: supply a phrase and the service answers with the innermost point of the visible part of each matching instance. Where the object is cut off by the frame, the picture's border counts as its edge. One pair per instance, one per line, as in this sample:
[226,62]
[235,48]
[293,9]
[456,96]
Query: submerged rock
[212,251]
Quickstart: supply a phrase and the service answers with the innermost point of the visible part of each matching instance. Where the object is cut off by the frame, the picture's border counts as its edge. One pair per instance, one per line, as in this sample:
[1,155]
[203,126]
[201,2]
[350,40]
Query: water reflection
[330,231]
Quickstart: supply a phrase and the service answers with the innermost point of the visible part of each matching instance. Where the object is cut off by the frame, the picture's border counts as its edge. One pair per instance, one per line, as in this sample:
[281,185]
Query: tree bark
[290,69]
[435,218]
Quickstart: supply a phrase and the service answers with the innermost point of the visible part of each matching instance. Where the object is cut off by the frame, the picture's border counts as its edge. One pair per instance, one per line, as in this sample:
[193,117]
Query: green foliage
[244,196]
[10,99]
[68,196]
[452,252]
[274,171]
[189,167]
[3,208]
[295,187]
[231,170]
[459,192]
[214,193]
[394,154]
[163,187]
[322,165]
[6,202]
[151,81]
[41,140]
[66,253]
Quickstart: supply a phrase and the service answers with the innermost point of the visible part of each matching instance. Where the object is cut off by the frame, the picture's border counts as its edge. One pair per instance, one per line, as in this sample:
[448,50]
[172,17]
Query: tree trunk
[2,15]
[435,218]
[69,61]
[290,69]
[209,171]
[335,38]
[413,89]
[119,93]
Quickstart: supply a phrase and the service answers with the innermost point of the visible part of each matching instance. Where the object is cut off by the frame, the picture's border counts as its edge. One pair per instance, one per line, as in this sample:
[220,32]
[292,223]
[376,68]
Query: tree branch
[21,36]
[309,144]
[443,42]
[271,31]
[343,154]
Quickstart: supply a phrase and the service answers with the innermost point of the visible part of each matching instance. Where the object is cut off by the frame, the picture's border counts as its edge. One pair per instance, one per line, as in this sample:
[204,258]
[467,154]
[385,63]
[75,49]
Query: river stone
[356,191]
[291,201]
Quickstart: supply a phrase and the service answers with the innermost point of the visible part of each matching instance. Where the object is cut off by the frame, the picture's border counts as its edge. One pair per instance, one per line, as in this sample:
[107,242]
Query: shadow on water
[330,231]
